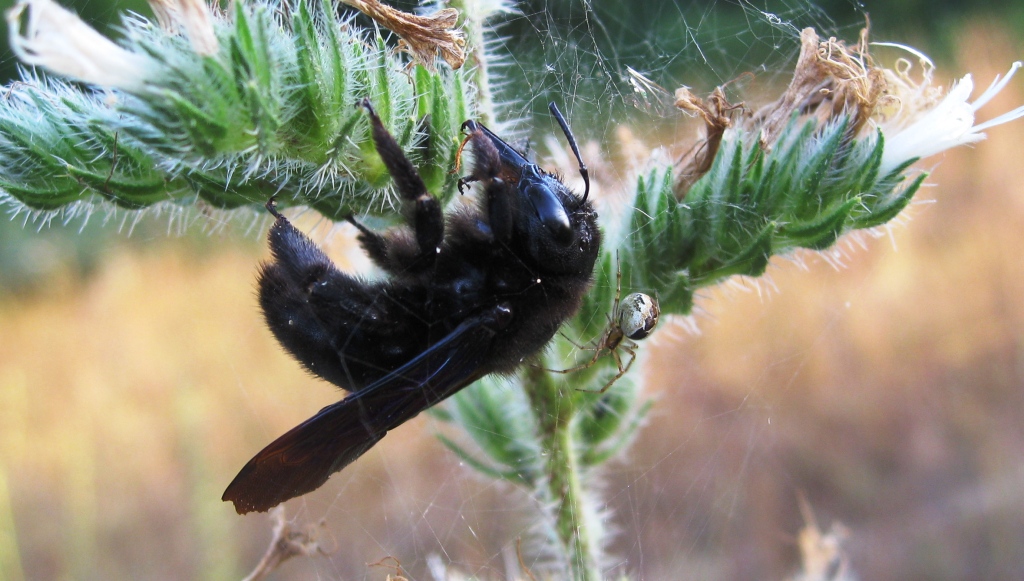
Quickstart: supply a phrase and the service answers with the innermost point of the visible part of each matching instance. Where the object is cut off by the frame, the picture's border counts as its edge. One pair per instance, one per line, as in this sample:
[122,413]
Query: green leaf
[273,112]
[815,184]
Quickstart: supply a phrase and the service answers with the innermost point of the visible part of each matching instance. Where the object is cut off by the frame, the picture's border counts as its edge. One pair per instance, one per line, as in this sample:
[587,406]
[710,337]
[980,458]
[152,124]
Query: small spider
[633,319]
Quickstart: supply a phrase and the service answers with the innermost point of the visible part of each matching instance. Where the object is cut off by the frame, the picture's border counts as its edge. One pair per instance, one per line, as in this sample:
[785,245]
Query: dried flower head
[288,542]
[716,111]
[425,37]
[822,556]
[194,17]
[830,79]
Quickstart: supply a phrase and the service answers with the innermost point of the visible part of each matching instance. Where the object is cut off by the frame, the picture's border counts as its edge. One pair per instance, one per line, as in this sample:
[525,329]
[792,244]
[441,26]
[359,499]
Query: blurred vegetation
[889,391]
[36,256]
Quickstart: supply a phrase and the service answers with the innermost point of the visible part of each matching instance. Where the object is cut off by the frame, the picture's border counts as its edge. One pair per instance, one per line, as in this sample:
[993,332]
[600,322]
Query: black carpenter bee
[475,293]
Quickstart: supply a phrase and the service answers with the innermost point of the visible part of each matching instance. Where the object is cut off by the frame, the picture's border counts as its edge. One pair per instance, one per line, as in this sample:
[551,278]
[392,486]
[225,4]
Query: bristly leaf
[814,185]
[273,112]
[498,420]
[52,149]
[817,183]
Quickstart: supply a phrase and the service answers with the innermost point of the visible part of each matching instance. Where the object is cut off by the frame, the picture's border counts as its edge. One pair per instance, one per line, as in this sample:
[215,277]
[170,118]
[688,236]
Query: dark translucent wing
[304,458]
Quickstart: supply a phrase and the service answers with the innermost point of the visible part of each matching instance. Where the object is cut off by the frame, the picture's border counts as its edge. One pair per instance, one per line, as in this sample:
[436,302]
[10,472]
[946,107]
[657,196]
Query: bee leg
[499,209]
[499,194]
[375,244]
[426,217]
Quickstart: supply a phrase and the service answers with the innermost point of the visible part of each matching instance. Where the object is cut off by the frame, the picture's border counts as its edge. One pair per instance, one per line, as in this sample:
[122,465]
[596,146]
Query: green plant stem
[553,407]
[555,410]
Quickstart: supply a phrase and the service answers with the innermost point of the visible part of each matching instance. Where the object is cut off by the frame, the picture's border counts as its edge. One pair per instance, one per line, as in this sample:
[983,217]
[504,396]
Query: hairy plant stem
[554,409]
[552,406]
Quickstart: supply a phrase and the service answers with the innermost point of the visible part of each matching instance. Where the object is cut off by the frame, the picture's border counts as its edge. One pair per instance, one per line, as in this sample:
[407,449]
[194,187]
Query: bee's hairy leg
[500,195]
[426,217]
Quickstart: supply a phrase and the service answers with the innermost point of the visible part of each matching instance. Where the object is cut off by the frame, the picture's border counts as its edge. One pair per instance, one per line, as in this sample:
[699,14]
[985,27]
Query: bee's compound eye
[638,315]
[550,211]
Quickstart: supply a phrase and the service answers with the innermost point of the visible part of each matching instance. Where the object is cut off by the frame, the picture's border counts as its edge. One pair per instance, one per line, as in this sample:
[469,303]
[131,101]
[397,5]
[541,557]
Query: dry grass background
[889,393]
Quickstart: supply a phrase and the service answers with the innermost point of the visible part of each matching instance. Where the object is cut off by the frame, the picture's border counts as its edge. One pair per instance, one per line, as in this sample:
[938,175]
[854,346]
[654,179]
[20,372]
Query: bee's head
[557,227]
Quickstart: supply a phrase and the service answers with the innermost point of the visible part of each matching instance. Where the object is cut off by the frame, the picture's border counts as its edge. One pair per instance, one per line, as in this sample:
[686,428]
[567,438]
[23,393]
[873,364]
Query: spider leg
[426,217]
[608,342]
[630,349]
[574,343]
[581,367]
[618,288]
[599,349]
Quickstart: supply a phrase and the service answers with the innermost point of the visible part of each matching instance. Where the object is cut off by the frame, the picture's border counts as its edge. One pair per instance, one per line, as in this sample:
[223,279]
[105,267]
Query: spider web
[758,404]
[613,64]
[677,500]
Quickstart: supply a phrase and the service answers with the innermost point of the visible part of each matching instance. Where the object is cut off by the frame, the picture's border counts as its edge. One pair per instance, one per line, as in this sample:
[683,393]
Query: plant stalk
[555,410]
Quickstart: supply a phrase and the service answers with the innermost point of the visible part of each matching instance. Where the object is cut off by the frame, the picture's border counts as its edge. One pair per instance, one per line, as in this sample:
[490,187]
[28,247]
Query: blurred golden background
[888,392]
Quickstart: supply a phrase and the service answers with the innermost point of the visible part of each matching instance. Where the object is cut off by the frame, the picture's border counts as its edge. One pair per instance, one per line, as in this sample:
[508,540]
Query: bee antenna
[572,144]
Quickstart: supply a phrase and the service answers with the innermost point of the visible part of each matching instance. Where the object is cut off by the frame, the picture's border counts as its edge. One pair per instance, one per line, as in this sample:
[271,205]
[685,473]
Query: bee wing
[304,458]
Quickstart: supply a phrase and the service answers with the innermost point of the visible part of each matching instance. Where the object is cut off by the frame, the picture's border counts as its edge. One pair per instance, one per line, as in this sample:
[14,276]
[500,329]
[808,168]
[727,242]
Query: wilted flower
[423,36]
[832,80]
[194,16]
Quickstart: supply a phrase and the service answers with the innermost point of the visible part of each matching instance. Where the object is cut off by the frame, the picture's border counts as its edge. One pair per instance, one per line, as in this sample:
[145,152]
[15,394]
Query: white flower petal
[1004,118]
[61,42]
[995,87]
[947,125]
